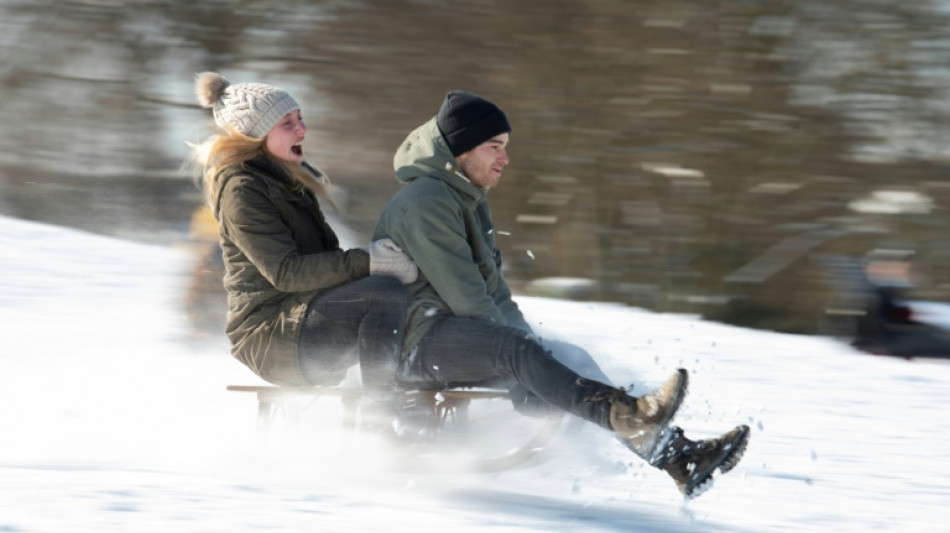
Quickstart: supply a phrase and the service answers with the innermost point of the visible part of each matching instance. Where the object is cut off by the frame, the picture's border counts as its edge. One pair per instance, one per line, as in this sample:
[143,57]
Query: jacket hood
[425,153]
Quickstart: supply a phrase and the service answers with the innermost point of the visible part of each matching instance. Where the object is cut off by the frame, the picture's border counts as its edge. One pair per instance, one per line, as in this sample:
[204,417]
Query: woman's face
[284,140]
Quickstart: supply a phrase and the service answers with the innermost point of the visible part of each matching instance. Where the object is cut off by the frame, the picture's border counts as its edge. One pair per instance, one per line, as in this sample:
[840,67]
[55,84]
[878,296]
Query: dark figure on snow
[887,325]
[465,329]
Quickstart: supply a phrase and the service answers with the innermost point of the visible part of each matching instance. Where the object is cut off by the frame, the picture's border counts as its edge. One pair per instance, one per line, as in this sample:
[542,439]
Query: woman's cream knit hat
[249,108]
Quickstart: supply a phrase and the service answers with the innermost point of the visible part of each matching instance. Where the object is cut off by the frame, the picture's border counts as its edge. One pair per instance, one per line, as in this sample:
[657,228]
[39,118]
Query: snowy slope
[113,421]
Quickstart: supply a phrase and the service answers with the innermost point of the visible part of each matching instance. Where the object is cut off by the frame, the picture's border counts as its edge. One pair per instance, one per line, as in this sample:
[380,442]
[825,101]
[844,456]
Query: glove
[386,258]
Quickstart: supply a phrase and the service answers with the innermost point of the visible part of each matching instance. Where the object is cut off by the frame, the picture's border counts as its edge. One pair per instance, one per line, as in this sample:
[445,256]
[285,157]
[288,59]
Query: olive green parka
[279,253]
[444,223]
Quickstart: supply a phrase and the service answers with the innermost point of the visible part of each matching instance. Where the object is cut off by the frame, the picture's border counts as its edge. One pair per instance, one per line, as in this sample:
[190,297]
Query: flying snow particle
[530,254]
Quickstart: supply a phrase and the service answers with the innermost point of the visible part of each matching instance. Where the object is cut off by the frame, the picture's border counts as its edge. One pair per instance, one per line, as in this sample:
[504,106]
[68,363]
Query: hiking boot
[641,422]
[691,463]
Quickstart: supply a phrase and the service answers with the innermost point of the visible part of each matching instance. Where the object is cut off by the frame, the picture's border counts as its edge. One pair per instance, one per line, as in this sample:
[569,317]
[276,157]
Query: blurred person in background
[301,310]
[465,329]
[887,325]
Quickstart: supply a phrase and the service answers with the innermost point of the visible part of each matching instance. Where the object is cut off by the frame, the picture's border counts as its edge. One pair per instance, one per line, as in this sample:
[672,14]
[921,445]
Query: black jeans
[363,323]
[469,352]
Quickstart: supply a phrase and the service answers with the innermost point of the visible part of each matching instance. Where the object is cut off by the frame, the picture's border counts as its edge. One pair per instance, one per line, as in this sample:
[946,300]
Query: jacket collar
[263,166]
[259,166]
[425,153]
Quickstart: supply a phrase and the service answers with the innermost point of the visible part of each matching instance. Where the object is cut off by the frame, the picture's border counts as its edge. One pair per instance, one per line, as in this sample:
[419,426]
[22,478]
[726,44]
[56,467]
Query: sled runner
[454,417]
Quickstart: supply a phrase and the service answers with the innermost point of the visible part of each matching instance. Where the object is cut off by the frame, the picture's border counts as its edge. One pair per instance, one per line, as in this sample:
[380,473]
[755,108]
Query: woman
[301,311]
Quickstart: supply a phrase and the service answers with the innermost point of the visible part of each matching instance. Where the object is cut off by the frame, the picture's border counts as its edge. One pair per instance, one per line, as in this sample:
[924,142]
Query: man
[465,329]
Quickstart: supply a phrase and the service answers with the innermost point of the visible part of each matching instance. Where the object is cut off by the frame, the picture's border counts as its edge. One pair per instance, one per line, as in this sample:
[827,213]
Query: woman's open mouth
[296,150]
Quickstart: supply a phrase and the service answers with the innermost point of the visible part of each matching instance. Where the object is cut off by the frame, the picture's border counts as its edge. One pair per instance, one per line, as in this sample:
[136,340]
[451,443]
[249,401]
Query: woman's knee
[387,289]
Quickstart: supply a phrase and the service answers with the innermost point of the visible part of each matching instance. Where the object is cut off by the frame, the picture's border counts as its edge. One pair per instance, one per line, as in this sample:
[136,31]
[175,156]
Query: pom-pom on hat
[249,108]
[467,120]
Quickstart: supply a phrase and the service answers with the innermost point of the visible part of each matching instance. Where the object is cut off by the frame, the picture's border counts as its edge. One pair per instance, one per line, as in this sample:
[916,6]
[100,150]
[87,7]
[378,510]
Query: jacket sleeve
[509,309]
[433,234]
[254,225]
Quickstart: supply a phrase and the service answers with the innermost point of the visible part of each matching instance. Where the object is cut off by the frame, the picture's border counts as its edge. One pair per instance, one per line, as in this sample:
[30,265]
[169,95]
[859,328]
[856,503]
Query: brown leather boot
[641,422]
[691,464]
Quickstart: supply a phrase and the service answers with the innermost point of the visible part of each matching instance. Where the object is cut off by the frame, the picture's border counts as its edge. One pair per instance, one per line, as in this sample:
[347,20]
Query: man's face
[483,164]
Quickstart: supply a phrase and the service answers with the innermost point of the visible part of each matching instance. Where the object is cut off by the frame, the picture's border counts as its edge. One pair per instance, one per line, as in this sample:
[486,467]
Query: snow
[114,419]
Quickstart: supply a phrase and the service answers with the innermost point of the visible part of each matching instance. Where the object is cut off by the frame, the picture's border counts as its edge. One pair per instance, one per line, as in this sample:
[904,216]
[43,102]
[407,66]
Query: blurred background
[735,159]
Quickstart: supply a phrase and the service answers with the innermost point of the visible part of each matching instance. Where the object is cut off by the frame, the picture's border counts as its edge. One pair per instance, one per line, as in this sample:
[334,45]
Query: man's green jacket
[443,222]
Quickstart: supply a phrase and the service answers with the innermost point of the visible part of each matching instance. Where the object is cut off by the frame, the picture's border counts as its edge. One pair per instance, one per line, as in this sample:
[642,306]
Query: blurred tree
[662,150]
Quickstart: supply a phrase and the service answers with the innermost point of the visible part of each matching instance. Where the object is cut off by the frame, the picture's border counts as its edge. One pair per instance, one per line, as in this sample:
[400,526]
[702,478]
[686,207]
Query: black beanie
[467,120]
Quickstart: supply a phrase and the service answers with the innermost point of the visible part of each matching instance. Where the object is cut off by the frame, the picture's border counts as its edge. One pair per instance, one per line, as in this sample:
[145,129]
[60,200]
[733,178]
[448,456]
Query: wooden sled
[455,413]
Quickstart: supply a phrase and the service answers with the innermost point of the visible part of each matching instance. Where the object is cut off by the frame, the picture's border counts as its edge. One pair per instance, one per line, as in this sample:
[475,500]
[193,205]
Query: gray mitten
[387,258]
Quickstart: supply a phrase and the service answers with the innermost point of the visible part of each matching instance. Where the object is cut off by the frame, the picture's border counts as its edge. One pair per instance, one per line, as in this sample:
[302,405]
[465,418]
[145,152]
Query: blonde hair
[232,148]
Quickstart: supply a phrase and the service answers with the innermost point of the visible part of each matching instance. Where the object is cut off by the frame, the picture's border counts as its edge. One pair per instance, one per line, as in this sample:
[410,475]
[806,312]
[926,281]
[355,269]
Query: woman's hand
[386,258]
